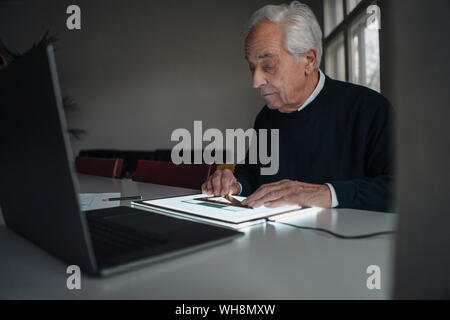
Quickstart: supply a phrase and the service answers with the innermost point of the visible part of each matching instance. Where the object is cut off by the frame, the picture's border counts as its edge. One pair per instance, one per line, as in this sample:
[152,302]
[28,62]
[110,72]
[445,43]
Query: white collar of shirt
[316,91]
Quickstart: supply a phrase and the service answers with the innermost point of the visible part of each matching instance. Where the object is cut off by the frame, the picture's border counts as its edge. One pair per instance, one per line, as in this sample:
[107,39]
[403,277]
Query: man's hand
[221,183]
[288,192]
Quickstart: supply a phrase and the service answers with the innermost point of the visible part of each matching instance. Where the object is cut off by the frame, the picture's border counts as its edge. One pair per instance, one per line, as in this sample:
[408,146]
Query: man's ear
[310,60]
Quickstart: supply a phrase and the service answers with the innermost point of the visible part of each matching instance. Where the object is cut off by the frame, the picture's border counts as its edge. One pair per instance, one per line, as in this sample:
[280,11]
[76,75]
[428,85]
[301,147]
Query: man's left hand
[288,192]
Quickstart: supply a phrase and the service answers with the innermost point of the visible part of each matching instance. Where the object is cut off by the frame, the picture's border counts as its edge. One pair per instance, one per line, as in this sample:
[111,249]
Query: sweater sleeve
[245,175]
[375,190]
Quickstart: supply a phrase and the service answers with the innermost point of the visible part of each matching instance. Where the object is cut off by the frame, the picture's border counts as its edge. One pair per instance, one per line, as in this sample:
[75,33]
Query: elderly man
[335,137]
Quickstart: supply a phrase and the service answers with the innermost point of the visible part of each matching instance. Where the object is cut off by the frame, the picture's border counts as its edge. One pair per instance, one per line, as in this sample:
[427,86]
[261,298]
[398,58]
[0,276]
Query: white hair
[301,29]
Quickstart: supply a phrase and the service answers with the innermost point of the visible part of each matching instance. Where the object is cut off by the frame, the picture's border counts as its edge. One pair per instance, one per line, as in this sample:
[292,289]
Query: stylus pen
[124,198]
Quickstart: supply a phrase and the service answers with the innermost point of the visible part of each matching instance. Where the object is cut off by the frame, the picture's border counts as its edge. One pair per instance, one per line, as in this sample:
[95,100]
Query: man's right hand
[221,183]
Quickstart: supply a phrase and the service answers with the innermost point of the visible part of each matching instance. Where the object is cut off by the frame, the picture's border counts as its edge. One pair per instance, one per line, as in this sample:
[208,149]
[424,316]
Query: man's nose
[258,78]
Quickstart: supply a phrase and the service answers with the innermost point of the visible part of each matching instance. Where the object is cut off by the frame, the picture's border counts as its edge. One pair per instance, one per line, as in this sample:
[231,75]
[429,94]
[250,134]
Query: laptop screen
[38,192]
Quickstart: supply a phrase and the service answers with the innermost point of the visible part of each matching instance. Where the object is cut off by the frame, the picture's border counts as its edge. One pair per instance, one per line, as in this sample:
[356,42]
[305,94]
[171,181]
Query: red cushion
[167,173]
[99,167]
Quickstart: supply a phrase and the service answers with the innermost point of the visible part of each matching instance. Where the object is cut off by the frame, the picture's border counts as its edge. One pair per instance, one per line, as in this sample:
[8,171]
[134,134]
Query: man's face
[278,76]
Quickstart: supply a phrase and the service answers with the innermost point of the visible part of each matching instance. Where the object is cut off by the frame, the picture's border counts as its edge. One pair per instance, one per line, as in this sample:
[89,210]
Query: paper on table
[93,201]
[222,212]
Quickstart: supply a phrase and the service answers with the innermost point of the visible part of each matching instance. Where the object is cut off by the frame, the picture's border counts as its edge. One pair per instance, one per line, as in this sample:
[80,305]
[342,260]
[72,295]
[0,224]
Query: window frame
[344,27]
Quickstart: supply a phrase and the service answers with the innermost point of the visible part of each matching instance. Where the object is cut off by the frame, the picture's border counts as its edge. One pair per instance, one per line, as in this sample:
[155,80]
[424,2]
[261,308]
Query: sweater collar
[316,91]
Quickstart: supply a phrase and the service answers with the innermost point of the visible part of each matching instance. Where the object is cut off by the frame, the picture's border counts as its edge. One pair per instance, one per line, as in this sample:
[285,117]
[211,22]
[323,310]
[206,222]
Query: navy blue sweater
[343,137]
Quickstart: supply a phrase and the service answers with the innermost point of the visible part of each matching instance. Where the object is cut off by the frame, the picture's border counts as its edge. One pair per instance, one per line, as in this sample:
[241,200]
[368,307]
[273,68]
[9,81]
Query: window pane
[335,59]
[351,4]
[365,54]
[334,14]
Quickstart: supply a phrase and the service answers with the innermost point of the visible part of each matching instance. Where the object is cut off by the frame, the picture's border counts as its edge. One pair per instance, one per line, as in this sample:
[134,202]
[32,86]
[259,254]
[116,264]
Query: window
[351,4]
[334,14]
[352,48]
[335,58]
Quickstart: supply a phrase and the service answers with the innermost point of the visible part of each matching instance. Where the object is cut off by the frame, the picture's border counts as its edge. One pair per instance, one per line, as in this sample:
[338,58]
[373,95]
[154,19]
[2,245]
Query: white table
[272,261]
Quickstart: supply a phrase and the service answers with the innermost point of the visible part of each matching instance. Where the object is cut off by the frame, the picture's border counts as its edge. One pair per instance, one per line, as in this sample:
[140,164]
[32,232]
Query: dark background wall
[140,69]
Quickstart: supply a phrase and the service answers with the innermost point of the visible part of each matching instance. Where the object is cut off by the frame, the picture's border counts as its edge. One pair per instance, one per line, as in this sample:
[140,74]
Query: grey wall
[140,69]
[415,71]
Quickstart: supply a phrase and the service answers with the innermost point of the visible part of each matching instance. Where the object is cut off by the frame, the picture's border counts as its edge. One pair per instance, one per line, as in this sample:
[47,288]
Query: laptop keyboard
[111,239]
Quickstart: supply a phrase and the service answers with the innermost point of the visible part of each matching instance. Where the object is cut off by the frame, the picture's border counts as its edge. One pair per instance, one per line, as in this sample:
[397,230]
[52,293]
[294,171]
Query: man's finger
[276,183]
[226,185]
[205,187]
[209,187]
[217,184]
[274,194]
[261,193]
[231,182]
[255,195]
[264,189]
[276,203]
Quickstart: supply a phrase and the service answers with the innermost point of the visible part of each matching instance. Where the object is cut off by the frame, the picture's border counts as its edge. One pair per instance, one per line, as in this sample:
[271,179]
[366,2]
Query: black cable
[340,236]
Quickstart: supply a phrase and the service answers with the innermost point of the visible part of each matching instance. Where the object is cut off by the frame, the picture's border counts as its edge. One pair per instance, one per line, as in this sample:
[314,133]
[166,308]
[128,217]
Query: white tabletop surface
[272,261]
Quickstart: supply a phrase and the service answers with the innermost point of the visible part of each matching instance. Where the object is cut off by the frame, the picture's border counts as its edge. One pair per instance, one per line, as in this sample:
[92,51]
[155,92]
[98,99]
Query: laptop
[39,189]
